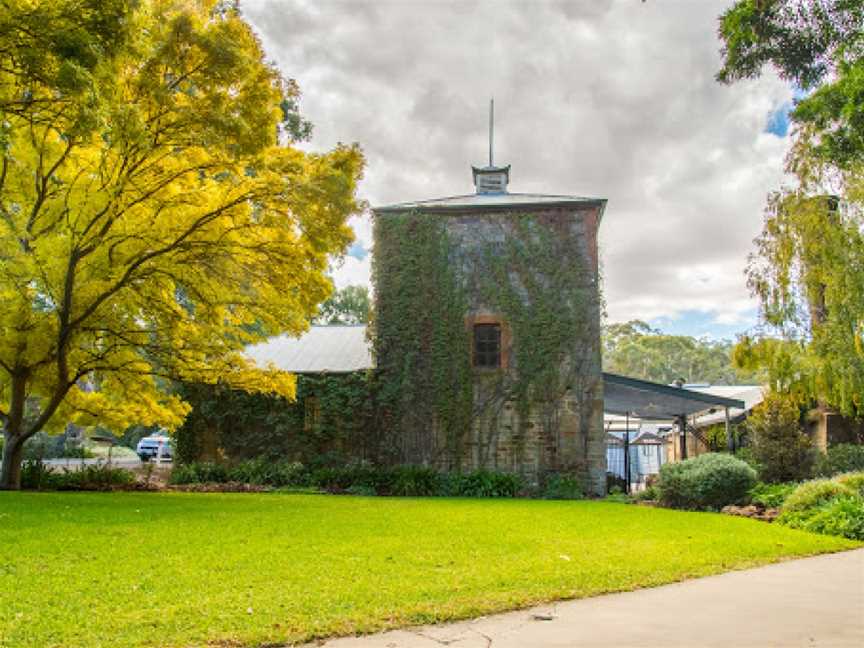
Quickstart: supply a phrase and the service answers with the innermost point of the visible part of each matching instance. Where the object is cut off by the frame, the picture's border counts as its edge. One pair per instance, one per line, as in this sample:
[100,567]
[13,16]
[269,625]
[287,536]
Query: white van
[153,446]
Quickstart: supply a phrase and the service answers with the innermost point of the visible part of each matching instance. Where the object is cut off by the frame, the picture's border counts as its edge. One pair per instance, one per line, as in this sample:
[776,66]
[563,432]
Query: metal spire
[491,128]
[491,179]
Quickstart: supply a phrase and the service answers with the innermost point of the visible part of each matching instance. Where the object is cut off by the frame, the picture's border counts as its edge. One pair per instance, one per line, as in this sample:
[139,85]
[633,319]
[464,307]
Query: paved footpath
[813,602]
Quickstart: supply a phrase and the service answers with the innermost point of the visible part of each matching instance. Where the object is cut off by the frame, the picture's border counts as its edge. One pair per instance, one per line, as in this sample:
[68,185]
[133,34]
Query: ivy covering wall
[433,274]
[539,279]
[330,422]
[420,343]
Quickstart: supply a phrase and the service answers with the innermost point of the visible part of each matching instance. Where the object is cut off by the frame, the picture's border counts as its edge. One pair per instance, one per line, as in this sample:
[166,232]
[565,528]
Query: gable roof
[322,349]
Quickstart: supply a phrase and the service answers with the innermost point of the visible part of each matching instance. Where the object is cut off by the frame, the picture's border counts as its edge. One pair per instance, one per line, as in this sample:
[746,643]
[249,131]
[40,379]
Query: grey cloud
[611,99]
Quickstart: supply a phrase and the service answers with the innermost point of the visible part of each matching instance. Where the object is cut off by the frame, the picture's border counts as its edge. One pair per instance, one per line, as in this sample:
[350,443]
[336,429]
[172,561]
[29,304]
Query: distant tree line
[635,349]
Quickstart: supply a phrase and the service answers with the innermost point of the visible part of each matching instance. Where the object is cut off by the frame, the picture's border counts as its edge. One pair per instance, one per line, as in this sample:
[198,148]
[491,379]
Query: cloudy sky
[592,98]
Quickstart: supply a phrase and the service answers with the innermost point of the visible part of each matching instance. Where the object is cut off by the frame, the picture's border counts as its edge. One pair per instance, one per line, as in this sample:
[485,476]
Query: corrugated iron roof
[489,200]
[322,349]
[752,395]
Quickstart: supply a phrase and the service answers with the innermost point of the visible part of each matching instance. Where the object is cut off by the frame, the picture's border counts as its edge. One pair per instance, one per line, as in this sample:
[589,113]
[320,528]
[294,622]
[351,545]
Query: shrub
[340,479]
[254,471]
[832,507]
[95,477]
[44,446]
[417,481]
[854,481]
[199,473]
[262,472]
[779,445]
[257,472]
[746,455]
[485,483]
[815,493]
[841,458]
[709,481]
[840,516]
[771,495]
[617,494]
[36,475]
[562,486]
[650,494]
[291,473]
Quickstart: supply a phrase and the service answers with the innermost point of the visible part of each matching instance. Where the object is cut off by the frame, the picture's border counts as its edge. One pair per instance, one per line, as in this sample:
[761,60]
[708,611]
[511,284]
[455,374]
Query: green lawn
[174,569]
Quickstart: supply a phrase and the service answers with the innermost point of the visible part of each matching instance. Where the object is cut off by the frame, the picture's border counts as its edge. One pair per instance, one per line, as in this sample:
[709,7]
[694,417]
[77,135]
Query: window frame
[492,351]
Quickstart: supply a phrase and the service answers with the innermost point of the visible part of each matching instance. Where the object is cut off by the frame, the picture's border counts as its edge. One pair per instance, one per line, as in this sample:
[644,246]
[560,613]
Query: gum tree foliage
[154,217]
[635,349]
[816,45]
[804,40]
[348,305]
[808,268]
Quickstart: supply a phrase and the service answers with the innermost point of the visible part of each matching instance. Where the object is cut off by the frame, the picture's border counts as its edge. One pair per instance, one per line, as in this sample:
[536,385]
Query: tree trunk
[13,454]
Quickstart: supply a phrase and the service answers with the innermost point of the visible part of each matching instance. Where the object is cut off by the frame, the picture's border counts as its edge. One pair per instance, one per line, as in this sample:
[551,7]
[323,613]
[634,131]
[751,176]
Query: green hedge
[709,481]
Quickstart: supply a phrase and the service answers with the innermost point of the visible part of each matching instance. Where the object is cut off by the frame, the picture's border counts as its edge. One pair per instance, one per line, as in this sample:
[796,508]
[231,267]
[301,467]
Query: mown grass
[176,569]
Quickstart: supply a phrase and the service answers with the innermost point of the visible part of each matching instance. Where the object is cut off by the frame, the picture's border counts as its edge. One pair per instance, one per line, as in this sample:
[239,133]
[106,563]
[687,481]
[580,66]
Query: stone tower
[487,331]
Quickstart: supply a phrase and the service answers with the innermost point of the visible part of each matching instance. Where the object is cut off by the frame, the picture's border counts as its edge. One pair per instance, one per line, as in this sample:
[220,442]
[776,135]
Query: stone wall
[561,433]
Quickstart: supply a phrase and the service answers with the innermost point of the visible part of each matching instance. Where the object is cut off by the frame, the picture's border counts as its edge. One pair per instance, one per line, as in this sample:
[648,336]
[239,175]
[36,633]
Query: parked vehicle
[155,446]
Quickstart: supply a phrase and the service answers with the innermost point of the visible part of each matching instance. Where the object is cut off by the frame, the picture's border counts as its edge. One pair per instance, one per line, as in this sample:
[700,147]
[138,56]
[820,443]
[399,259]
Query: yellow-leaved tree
[155,217]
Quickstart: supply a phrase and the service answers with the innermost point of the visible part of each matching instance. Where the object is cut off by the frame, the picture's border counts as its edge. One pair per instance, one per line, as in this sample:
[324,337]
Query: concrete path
[814,602]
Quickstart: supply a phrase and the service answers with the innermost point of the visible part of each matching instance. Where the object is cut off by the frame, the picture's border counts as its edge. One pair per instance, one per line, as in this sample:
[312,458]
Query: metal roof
[490,201]
[655,401]
[322,349]
[752,395]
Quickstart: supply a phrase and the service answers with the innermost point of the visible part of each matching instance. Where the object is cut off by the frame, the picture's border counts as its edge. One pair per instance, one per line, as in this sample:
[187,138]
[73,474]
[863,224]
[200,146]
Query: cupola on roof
[491,179]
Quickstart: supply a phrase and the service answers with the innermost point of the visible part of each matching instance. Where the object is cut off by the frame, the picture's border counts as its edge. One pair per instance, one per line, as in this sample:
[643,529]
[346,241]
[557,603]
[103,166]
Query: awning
[655,401]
